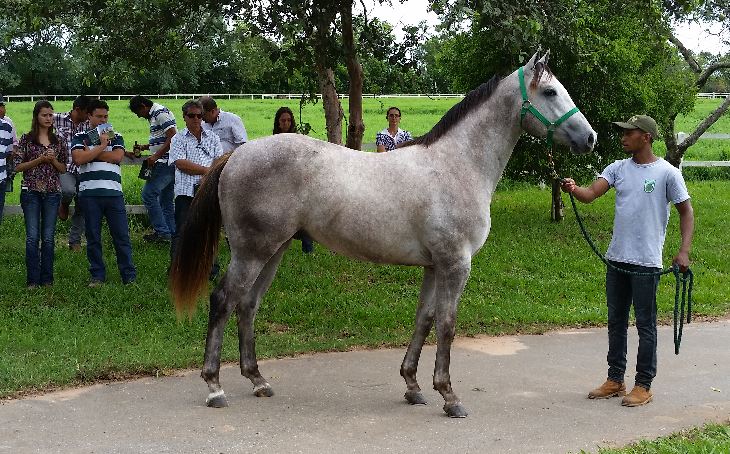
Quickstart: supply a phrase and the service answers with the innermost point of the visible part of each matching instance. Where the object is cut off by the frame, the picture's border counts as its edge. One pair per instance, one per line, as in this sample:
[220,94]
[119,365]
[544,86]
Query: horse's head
[547,110]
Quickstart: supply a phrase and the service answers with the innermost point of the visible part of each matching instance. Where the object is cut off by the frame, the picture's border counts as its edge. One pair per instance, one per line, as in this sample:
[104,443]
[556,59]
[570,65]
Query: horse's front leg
[221,306]
[450,281]
[247,309]
[424,321]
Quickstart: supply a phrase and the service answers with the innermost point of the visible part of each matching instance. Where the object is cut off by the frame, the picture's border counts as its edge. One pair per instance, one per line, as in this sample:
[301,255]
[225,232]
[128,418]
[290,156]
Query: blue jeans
[2,198]
[69,191]
[157,195]
[621,291]
[40,210]
[112,208]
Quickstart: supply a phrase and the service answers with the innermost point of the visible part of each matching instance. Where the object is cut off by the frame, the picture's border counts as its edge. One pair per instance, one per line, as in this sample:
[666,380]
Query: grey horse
[425,204]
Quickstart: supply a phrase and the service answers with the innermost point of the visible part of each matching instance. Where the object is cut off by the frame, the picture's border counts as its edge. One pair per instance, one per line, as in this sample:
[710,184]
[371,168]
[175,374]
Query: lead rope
[684,280]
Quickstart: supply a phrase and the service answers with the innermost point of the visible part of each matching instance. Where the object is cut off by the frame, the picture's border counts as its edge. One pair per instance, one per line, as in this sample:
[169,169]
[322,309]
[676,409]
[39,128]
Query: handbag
[145,172]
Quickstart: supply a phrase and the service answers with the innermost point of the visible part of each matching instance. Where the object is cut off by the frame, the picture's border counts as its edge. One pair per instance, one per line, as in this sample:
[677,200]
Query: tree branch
[709,121]
[686,53]
[707,73]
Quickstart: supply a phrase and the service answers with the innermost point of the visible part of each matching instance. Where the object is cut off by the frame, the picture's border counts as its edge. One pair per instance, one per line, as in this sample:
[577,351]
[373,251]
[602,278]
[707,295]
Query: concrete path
[525,394]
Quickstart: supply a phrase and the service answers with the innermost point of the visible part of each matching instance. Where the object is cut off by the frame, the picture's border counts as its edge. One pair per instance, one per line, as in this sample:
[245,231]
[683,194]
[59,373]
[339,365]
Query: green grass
[532,275]
[709,439]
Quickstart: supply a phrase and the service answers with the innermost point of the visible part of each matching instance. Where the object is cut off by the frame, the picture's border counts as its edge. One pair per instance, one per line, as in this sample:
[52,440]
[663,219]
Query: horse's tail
[197,243]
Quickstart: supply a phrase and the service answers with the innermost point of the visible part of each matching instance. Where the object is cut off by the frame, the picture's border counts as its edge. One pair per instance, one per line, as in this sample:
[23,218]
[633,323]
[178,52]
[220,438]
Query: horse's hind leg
[424,321]
[450,281]
[246,312]
[222,302]
[219,312]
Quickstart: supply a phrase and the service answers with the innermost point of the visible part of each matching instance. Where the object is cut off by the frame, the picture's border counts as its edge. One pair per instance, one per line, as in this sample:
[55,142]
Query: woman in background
[283,123]
[42,157]
[389,138]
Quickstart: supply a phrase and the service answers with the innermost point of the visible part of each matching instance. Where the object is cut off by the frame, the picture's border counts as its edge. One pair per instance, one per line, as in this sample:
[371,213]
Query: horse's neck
[482,142]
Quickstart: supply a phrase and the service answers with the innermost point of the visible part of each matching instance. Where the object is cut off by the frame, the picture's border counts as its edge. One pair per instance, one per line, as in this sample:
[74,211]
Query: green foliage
[613,59]
[709,439]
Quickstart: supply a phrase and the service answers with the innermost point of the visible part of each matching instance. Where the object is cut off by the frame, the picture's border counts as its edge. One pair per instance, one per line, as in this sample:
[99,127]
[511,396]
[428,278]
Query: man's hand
[568,185]
[151,161]
[104,139]
[682,261]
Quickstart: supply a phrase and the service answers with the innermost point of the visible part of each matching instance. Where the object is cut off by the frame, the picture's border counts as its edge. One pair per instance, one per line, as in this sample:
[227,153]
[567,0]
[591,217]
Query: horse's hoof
[455,411]
[263,391]
[415,398]
[216,400]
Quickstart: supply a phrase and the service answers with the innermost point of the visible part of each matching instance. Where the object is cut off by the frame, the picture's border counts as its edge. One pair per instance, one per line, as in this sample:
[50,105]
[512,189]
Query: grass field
[710,439]
[532,275]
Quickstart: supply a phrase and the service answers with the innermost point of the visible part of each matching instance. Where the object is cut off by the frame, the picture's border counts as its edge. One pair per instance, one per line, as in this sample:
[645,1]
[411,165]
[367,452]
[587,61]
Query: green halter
[528,107]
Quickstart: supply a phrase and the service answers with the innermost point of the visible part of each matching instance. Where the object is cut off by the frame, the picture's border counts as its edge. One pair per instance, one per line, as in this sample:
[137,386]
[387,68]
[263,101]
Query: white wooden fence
[67,97]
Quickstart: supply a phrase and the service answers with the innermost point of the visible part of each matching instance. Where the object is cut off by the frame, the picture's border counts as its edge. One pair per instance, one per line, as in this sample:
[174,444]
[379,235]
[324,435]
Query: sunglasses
[194,115]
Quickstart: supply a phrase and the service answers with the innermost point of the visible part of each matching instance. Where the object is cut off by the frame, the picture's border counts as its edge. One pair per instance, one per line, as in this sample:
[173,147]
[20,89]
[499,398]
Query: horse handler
[645,185]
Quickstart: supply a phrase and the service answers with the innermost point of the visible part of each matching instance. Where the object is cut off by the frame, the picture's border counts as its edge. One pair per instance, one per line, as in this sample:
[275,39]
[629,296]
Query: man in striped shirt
[157,193]
[67,125]
[7,140]
[100,195]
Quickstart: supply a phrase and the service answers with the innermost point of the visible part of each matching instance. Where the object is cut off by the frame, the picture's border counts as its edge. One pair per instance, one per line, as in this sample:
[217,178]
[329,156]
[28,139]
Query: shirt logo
[649,185]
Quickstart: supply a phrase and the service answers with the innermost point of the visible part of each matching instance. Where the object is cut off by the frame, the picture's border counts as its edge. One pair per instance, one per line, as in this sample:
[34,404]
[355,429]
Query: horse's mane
[460,110]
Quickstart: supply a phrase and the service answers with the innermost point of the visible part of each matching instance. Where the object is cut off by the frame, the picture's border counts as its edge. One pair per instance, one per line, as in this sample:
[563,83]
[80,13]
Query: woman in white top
[389,138]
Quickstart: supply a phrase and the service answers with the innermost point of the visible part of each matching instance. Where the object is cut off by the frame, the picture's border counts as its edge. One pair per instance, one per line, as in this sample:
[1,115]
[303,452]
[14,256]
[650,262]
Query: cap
[643,122]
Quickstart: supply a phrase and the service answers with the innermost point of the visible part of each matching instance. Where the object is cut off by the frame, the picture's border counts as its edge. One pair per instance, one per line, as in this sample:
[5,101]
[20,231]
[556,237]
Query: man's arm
[190,168]
[113,157]
[85,155]
[169,134]
[686,229]
[586,194]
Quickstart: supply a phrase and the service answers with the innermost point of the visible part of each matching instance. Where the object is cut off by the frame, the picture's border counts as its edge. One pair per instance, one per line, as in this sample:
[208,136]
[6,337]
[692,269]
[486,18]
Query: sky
[412,12]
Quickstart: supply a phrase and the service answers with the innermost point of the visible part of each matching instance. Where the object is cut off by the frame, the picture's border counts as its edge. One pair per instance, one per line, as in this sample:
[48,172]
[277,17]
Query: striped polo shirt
[161,119]
[6,145]
[97,178]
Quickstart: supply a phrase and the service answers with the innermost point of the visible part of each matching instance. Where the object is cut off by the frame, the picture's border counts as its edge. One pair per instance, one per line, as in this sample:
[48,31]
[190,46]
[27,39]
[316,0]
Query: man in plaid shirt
[67,125]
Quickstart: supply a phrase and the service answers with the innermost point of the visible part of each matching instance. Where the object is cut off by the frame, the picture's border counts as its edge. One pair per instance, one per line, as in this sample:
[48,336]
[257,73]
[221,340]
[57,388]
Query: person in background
[645,187]
[67,125]
[389,138]
[42,157]
[284,123]
[192,152]
[226,125]
[158,192]
[101,196]
[7,140]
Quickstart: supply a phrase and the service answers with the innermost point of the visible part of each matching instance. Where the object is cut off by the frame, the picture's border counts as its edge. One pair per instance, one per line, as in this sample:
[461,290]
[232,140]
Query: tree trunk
[557,209]
[331,103]
[356,126]
[323,17]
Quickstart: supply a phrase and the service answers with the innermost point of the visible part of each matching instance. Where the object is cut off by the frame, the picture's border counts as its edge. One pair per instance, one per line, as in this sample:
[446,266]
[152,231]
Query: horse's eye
[550,92]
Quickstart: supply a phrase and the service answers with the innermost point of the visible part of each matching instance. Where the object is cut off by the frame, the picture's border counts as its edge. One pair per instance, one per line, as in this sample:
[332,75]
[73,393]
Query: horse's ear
[531,63]
[545,57]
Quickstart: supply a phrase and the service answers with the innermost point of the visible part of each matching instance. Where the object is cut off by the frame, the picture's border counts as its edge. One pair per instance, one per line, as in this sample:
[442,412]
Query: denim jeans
[158,195]
[40,211]
[70,189]
[182,206]
[621,291]
[112,208]
[2,198]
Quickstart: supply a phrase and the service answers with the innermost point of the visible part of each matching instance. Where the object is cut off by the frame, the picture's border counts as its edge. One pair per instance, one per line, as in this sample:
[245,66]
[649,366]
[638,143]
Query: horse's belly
[406,252]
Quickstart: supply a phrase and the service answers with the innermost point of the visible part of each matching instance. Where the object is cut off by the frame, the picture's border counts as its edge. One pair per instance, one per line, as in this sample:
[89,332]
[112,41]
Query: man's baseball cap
[643,122]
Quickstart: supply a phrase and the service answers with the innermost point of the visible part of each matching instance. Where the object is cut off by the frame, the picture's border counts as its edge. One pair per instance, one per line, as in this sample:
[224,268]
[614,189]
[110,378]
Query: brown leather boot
[608,389]
[638,396]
